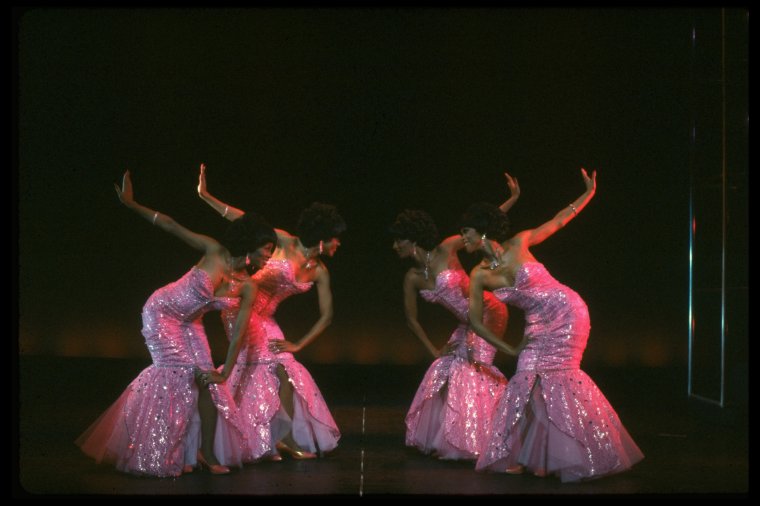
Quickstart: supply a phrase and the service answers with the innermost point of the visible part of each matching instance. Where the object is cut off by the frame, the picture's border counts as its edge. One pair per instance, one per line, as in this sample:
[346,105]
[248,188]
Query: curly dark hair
[487,219]
[319,222]
[416,226]
[248,233]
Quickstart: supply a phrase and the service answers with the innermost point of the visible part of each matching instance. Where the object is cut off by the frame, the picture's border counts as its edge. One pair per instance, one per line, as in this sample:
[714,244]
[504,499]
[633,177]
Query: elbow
[168,223]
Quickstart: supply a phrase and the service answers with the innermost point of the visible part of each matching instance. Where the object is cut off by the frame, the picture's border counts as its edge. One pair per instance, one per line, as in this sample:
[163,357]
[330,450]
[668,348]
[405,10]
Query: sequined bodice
[276,282]
[452,287]
[191,296]
[556,318]
[452,291]
[172,323]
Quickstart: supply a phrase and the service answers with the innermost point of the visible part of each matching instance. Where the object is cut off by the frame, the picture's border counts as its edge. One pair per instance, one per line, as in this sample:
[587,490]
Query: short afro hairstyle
[319,222]
[416,226]
[487,219]
[247,234]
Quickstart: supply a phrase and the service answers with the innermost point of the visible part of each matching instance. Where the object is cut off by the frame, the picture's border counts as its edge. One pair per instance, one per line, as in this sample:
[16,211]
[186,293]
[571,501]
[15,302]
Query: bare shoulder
[285,237]
[519,238]
[214,248]
[477,273]
[322,274]
[411,274]
[453,242]
[412,277]
[247,284]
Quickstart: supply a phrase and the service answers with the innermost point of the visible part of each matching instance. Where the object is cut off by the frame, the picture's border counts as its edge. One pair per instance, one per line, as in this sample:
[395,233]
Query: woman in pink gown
[282,409]
[553,419]
[451,413]
[178,412]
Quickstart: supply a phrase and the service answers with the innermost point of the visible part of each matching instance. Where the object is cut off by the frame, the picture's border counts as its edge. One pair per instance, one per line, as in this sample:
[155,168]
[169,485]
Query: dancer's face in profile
[472,239]
[261,256]
[404,248]
[330,247]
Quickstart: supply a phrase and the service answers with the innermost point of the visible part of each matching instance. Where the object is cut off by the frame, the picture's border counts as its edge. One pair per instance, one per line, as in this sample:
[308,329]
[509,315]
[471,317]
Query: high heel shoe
[213,468]
[275,457]
[296,454]
[187,469]
[518,469]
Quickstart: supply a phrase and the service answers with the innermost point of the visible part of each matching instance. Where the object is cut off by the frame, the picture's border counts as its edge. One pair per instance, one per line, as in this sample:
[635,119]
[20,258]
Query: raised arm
[514,193]
[563,217]
[167,223]
[476,314]
[226,210]
[410,309]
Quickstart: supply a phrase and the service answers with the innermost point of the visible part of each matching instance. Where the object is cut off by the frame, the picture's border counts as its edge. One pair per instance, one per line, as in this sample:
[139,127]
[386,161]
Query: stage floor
[689,448]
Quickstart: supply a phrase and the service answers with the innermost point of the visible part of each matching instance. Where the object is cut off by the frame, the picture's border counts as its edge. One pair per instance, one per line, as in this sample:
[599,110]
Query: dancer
[176,413]
[553,419]
[451,412]
[280,404]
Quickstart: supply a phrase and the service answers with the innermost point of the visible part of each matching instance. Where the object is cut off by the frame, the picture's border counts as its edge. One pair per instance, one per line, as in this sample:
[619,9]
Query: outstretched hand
[125,193]
[590,182]
[514,186]
[202,180]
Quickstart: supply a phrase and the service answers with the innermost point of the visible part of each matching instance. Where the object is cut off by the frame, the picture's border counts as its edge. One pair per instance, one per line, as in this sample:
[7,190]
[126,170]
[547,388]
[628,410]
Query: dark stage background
[374,110]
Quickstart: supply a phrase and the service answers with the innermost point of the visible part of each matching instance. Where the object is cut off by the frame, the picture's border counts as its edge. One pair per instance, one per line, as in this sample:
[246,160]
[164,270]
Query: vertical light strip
[361,463]
[724,212]
[692,223]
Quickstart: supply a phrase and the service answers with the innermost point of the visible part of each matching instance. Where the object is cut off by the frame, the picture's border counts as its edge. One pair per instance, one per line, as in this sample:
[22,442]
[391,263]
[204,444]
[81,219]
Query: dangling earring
[414,249]
[495,261]
[484,242]
[321,246]
[247,260]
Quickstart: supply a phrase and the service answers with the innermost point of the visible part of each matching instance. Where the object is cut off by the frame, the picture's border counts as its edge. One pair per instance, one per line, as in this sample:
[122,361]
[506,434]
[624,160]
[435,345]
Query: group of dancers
[181,412]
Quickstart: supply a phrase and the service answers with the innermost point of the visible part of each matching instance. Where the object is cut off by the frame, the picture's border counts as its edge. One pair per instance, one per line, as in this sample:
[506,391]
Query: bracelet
[226,209]
[155,217]
[575,211]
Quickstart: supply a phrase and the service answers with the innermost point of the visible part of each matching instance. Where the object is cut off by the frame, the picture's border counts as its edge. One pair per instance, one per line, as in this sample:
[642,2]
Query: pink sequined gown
[254,382]
[452,410]
[553,417]
[153,428]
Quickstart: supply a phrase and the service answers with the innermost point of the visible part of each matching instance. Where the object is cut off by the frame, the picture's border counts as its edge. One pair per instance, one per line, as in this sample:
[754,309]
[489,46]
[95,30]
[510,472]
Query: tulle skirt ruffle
[255,389]
[452,410]
[154,428]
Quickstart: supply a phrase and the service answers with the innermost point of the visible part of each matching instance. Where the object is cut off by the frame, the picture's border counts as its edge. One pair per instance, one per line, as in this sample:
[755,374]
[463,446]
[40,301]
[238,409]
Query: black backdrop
[373,110]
